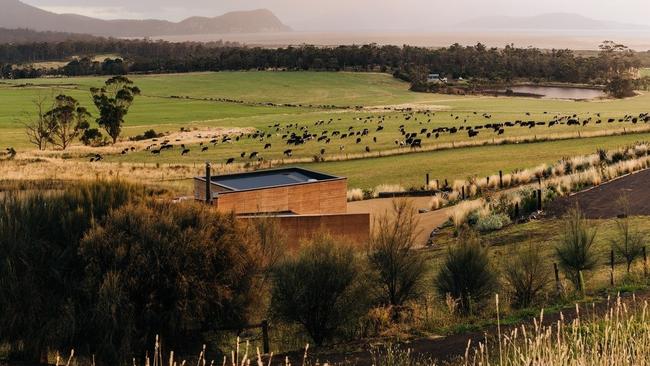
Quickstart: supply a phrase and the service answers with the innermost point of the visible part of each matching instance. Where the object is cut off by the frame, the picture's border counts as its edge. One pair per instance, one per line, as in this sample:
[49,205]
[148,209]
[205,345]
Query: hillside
[551,21]
[19,36]
[16,14]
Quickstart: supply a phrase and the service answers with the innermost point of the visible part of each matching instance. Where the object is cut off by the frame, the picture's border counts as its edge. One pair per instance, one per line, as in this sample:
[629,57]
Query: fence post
[438,184]
[265,337]
[463,192]
[500,178]
[611,268]
[487,182]
[446,183]
[427,181]
[558,284]
[516,210]
[539,200]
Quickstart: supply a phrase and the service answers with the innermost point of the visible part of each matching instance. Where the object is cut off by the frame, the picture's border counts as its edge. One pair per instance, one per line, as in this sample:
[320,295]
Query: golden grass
[460,212]
[355,194]
[621,336]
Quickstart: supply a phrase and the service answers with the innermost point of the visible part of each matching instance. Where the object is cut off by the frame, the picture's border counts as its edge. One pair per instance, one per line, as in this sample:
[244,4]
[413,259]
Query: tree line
[479,61]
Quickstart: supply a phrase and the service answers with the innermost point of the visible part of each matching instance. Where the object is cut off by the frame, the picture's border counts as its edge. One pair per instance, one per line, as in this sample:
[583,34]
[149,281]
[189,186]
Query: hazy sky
[356,14]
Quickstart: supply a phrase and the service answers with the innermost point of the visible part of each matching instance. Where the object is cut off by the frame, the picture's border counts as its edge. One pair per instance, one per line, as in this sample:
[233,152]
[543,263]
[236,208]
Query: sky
[349,15]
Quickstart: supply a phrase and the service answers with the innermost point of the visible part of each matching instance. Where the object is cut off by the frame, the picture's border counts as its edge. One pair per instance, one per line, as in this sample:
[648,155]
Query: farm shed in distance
[302,201]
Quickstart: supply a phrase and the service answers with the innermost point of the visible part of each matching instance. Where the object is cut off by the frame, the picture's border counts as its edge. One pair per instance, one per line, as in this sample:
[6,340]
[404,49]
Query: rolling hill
[16,14]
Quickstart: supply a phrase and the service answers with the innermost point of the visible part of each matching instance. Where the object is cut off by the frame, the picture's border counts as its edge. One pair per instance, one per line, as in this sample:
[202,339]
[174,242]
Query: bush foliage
[321,289]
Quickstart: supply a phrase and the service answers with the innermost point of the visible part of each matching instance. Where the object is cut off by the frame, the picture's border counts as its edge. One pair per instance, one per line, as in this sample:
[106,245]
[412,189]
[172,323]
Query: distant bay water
[573,39]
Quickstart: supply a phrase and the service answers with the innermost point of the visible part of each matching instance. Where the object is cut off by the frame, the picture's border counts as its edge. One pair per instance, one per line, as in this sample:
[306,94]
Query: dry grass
[621,336]
[355,194]
[460,212]
[391,188]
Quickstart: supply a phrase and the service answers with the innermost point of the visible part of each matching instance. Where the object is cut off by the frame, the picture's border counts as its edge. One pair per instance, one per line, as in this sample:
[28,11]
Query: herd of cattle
[366,131]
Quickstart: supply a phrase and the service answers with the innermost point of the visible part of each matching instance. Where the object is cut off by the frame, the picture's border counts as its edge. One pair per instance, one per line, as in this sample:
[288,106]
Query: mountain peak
[17,14]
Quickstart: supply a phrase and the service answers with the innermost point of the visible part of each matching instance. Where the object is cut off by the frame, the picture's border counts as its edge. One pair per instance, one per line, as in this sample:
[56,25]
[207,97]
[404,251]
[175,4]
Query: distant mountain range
[16,14]
[551,21]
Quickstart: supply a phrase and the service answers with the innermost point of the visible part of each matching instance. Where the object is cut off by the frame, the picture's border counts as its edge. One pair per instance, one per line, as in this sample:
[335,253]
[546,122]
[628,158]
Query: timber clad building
[303,201]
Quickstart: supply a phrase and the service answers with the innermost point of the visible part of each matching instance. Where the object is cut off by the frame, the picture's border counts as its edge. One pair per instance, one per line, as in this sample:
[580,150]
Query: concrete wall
[326,197]
[352,228]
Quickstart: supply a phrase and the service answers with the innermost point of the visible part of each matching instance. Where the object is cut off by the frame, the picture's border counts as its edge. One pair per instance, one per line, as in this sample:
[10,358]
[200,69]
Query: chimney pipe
[208,180]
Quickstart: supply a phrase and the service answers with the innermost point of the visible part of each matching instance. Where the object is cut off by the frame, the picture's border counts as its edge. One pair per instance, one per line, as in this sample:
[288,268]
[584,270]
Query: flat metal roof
[269,178]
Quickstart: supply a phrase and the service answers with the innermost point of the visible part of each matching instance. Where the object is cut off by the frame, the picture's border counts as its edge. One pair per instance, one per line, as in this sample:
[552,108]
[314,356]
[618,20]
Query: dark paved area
[601,202]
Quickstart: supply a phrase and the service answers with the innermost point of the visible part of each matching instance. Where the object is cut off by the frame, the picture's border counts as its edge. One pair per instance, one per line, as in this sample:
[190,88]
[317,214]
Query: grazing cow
[358,140]
[204,149]
[416,143]
[185,152]
[253,155]
[155,152]
[367,149]
[322,151]
[472,133]
[230,161]
[267,146]
[288,152]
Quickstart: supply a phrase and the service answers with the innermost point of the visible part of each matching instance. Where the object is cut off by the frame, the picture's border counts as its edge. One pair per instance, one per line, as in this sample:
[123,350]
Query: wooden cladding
[351,228]
[326,197]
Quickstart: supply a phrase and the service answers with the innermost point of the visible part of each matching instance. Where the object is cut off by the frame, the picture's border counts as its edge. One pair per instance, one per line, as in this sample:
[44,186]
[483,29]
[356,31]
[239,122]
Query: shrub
[574,251]
[391,254]
[41,270]
[321,289]
[492,222]
[174,270]
[147,135]
[629,241]
[527,275]
[466,274]
[92,137]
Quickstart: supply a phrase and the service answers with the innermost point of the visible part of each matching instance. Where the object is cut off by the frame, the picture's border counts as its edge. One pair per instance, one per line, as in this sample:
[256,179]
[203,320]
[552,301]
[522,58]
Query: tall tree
[113,101]
[68,119]
[39,129]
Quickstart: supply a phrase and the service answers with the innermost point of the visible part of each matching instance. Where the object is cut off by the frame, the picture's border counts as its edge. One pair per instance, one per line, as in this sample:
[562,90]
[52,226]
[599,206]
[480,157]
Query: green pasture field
[192,108]
[410,170]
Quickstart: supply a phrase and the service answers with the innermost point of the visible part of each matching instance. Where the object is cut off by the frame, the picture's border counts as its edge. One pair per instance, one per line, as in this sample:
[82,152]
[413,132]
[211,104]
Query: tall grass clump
[322,289]
[392,255]
[467,275]
[620,335]
[575,250]
[461,211]
[527,275]
[355,194]
[629,240]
